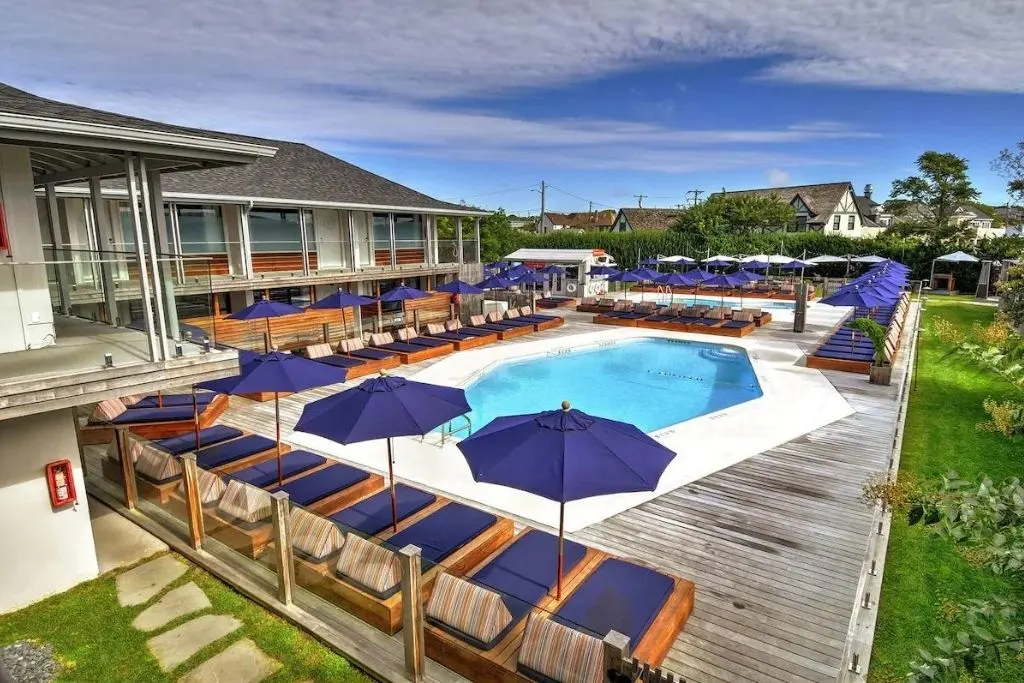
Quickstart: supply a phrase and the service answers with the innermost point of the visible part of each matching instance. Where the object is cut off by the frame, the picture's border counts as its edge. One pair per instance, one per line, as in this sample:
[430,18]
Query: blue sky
[604,100]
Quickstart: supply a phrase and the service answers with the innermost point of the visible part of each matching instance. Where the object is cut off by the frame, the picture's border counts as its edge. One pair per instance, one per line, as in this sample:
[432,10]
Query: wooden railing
[280,261]
[403,257]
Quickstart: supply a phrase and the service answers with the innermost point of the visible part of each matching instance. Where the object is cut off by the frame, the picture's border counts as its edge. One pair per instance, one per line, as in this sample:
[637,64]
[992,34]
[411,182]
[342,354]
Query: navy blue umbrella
[647,273]
[858,296]
[671,280]
[265,309]
[565,455]
[495,282]
[277,372]
[341,300]
[403,292]
[603,270]
[552,270]
[650,261]
[459,287]
[382,408]
[625,276]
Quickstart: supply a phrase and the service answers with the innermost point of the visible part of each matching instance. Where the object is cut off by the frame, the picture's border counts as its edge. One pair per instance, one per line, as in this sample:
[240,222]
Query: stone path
[241,662]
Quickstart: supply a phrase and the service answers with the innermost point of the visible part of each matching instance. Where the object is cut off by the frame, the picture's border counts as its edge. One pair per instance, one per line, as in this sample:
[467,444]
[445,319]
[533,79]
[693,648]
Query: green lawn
[923,573]
[94,639]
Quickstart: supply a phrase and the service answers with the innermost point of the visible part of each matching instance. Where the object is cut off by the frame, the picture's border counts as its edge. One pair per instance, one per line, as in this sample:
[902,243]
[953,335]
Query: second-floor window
[851,222]
[201,229]
[274,230]
[836,221]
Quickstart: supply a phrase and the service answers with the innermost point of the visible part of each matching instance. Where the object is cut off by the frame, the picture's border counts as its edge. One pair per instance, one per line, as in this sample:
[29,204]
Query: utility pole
[640,200]
[695,194]
[591,212]
[543,189]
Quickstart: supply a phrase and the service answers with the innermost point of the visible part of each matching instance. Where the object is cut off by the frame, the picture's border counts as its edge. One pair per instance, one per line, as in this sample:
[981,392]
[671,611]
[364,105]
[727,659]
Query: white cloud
[778,178]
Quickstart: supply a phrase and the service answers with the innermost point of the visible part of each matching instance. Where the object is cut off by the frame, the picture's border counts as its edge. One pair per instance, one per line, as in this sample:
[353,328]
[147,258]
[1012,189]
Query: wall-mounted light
[108,360]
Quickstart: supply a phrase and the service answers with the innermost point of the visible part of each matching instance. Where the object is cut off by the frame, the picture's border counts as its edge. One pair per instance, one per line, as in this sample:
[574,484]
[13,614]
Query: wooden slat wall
[217,265]
[281,261]
[403,257]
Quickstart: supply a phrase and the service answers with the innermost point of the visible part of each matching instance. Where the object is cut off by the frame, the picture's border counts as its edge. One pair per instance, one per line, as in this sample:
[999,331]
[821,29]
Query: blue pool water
[652,383]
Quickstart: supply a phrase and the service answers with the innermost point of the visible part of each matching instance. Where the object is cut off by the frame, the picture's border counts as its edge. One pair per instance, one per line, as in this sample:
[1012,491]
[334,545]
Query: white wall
[330,237]
[47,551]
[25,304]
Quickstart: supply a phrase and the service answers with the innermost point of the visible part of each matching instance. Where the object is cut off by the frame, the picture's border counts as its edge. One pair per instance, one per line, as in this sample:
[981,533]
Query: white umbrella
[826,258]
[676,259]
[780,259]
[765,258]
[958,257]
[871,258]
[719,257]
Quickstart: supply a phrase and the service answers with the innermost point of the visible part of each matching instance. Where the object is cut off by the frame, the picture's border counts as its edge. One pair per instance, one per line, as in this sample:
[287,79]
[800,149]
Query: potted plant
[881,370]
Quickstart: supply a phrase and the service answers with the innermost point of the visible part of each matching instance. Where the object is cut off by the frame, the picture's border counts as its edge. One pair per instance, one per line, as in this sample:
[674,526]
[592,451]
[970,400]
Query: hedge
[627,248]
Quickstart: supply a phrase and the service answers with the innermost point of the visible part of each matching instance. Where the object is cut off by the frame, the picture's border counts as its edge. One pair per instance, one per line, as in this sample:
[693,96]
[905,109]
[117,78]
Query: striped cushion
[319,350]
[314,535]
[452,325]
[245,502]
[155,463]
[561,653]
[381,338]
[211,487]
[369,564]
[406,333]
[435,328]
[468,608]
[131,399]
[108,410]
[477,320]
[134,447]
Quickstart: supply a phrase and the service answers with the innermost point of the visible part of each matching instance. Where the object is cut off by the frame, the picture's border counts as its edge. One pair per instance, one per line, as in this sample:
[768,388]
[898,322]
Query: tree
[940,187]
[736,215]
[1010,165]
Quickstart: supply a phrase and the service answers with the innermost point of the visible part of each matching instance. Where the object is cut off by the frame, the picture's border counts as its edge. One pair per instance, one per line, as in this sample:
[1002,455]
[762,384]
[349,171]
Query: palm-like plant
[876,333]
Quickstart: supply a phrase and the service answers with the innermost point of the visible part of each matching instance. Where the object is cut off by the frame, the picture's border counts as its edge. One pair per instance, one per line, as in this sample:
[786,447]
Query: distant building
[969,214]
[831,208]
[582,220]
[630,219]
[1013,220]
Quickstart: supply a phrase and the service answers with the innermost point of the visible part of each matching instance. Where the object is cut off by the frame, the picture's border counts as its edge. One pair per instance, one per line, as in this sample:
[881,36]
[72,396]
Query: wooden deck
[775,544]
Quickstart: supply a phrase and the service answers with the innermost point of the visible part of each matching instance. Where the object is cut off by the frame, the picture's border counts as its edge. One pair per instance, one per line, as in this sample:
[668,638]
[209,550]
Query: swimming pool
[652,383]
[734,302]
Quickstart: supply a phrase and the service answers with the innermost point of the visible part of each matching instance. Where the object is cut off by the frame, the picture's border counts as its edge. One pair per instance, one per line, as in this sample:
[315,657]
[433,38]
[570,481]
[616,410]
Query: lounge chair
[234,452]
[461,339]
[640,310]
[176,445]
[409,353]
[150,423]
[517,578]
[589,304]
[666,314]
[495,318]
[373,515]
[621,307]
[292,463]
[323,353]
[411,336]
[479,322]
[527,313]
[443,532]
[355,348]
[203,398]
[314,488]
[741,324]
[457,326]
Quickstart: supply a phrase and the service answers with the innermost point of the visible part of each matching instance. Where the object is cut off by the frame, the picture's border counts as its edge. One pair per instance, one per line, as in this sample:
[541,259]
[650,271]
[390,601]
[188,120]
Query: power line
[576,196]
[488,194]
[696,195]
[640,200]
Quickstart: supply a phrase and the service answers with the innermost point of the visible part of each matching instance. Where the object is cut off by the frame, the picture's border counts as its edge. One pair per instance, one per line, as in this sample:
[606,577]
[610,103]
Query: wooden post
[279,509]
[412,611]
[78,441]
[616,652]
[193,506]
[131,493]
[327,332]
[416,320]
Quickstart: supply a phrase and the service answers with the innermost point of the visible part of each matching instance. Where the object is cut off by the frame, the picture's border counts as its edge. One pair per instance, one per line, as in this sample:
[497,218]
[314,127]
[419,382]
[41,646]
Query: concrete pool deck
[795,401]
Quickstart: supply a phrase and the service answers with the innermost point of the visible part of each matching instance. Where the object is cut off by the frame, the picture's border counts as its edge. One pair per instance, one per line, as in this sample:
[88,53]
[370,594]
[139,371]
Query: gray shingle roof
[652,219]
[821,199]
[297,172]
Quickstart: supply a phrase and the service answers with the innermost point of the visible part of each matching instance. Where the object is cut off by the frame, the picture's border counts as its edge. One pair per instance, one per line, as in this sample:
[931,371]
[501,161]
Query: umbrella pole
[159,398]
[277,419]
[561,540]
[268,344]
[391,484]
[195,416]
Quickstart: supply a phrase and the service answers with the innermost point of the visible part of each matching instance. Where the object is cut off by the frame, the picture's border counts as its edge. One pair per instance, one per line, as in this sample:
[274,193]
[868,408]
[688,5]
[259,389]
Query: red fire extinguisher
[61,482]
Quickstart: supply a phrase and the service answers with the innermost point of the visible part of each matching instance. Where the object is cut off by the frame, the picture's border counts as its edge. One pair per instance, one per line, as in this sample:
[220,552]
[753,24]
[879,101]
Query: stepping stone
[178,644]
[177,603]
[138,585]
[243,662]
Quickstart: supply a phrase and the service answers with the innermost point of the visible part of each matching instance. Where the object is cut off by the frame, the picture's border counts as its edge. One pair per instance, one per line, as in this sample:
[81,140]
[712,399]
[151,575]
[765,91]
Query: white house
[831,208]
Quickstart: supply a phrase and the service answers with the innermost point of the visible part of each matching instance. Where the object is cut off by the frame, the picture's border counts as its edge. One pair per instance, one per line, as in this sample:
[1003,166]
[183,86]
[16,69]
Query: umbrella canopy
[495,265]
[719,261]
[459,287]
[755,265]
[626,276]
[341,299]
[265,308]
[827,258]
[603,270]
[858,296]
[779,259]
[565,455]
[646,273]
[650,261]
[871,258]
[552,270]
[382,408]
[495,282]
[403,293]
[277,372]
[674,279]
[699,275]
[531,278]
[958,257]
[749,276]
[676,259]
[796,264]
[730,280]
[756,257]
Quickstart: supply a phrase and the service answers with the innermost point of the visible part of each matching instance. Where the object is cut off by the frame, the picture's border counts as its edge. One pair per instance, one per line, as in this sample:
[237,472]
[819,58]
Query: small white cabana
[955,257]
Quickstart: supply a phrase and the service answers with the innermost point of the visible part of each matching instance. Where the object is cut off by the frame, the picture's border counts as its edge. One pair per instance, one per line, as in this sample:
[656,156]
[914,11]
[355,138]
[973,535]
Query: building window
[295,296]
[835,222]
[801,223]
[851,222]
[273,230]
[381,232]
[201,229]
[408,231]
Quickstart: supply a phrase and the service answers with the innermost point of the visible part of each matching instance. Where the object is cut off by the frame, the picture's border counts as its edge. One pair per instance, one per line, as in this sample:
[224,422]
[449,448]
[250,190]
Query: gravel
[26,662]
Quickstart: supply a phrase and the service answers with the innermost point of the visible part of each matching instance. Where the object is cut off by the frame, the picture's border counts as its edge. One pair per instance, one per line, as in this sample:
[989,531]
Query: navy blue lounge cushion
[323,483]
[203,399]
[373,515]
[229,451]
[338,361]
[373,354]
[144,415]
[428,342]
[475,331]
[619,595]
[737,324]
[661,317]
[442,533]
[514,322]
[490,328]
[265,473]
[401,347]
[454,336]
[842,355]
[177,445]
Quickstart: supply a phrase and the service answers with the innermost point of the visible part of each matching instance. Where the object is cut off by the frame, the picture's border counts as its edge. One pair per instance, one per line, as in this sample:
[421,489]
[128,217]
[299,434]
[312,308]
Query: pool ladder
[450,429]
